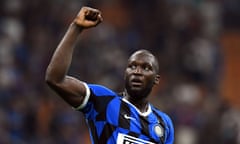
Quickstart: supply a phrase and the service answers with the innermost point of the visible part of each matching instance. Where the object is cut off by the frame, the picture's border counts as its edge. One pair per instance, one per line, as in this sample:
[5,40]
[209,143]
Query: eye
[146,68]
[132,66]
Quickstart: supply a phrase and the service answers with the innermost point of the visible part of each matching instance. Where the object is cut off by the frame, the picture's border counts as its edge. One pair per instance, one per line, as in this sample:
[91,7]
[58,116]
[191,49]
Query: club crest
[158,129]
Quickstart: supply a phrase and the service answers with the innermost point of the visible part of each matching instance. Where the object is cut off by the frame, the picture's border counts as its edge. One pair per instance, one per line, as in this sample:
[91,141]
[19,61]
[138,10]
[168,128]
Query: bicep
[72,90]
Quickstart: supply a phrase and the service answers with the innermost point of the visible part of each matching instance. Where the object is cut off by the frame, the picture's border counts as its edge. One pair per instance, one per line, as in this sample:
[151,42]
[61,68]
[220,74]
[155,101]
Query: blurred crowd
[183,34]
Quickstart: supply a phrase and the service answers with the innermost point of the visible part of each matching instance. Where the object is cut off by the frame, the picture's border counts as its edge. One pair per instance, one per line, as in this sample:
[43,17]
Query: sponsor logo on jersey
[127,139]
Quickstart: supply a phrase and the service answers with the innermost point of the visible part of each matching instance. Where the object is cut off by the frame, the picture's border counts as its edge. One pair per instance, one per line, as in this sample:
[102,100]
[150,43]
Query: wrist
[76,27]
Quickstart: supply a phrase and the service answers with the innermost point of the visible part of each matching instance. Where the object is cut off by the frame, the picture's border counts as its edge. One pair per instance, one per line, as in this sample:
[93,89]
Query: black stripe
[122,121]
[93,132]
[159,118]
[100,105]
[106,134]
[144,125]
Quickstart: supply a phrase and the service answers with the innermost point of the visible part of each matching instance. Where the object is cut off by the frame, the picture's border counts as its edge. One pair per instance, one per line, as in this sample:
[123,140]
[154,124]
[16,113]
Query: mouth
[136,82]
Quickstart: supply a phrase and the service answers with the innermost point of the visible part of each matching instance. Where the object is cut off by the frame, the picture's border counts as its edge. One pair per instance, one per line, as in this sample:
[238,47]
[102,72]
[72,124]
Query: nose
[137,70]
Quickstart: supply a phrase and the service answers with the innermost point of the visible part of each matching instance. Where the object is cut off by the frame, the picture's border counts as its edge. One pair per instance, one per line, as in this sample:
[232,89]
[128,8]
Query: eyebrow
[142,63]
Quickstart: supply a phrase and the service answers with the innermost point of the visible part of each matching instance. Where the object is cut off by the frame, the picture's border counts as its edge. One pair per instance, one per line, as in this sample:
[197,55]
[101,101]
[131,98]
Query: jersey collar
[144,114]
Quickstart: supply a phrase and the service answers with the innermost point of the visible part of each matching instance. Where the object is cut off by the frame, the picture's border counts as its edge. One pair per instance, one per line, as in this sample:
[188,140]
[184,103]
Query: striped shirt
[114,120]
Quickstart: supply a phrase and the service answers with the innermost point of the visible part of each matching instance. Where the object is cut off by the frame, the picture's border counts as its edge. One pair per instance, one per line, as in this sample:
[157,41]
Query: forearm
[72,90]
[62,56]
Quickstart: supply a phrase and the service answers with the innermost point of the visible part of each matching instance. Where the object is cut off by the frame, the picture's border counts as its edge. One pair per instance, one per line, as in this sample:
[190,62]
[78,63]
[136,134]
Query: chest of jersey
[131,125]
[113,120]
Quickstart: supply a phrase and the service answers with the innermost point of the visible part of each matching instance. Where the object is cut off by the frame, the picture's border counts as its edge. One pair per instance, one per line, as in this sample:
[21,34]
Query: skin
[140,75]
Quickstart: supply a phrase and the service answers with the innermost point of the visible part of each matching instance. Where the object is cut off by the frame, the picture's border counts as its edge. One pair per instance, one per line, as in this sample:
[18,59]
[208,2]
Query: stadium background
[197,43]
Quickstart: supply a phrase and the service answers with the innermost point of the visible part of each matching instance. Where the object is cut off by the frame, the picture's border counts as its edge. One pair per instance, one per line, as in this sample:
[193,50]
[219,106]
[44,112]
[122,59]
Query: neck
[138,101]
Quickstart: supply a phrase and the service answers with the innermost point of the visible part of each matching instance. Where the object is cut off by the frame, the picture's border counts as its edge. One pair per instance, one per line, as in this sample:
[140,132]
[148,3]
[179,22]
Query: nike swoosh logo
[128,117]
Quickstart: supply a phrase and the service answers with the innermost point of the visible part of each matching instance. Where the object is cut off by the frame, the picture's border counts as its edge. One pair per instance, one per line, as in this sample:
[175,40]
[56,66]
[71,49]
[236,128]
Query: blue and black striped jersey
[114,120]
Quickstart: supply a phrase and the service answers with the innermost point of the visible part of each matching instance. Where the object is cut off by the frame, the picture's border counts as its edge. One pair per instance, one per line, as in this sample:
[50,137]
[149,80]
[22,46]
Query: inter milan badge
[158,129]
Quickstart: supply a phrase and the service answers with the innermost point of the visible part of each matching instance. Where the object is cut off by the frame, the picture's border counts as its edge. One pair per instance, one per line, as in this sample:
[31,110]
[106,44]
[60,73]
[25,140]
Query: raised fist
[88,17]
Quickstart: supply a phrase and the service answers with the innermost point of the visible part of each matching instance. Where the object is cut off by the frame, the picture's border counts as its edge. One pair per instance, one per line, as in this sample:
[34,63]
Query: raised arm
[69,88]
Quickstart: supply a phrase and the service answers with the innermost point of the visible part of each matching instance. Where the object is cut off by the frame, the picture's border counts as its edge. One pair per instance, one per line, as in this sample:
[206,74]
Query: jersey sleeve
[170,130]
[86,98]
[96,98]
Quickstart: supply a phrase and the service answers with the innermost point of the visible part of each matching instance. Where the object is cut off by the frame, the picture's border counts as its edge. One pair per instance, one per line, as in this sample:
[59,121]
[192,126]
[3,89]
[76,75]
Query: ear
[157,79]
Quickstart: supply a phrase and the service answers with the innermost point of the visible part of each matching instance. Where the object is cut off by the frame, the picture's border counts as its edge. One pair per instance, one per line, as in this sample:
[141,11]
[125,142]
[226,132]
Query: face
[141,74]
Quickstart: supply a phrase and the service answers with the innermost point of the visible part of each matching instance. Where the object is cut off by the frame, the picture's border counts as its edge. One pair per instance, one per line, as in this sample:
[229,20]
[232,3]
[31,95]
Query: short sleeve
[86,98]
[170,131]
[97,98]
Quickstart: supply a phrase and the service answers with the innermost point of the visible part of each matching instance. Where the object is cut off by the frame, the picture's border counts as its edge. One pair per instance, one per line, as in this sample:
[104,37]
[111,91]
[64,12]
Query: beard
[138,91]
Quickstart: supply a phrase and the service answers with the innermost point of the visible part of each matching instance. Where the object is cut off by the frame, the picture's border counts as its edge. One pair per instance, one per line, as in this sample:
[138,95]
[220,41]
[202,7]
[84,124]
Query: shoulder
[168,125]
[100,90]
[97,96]
[163,115]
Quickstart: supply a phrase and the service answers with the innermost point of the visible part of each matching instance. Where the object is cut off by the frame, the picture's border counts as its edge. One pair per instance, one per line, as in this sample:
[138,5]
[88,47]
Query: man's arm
[72,90]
